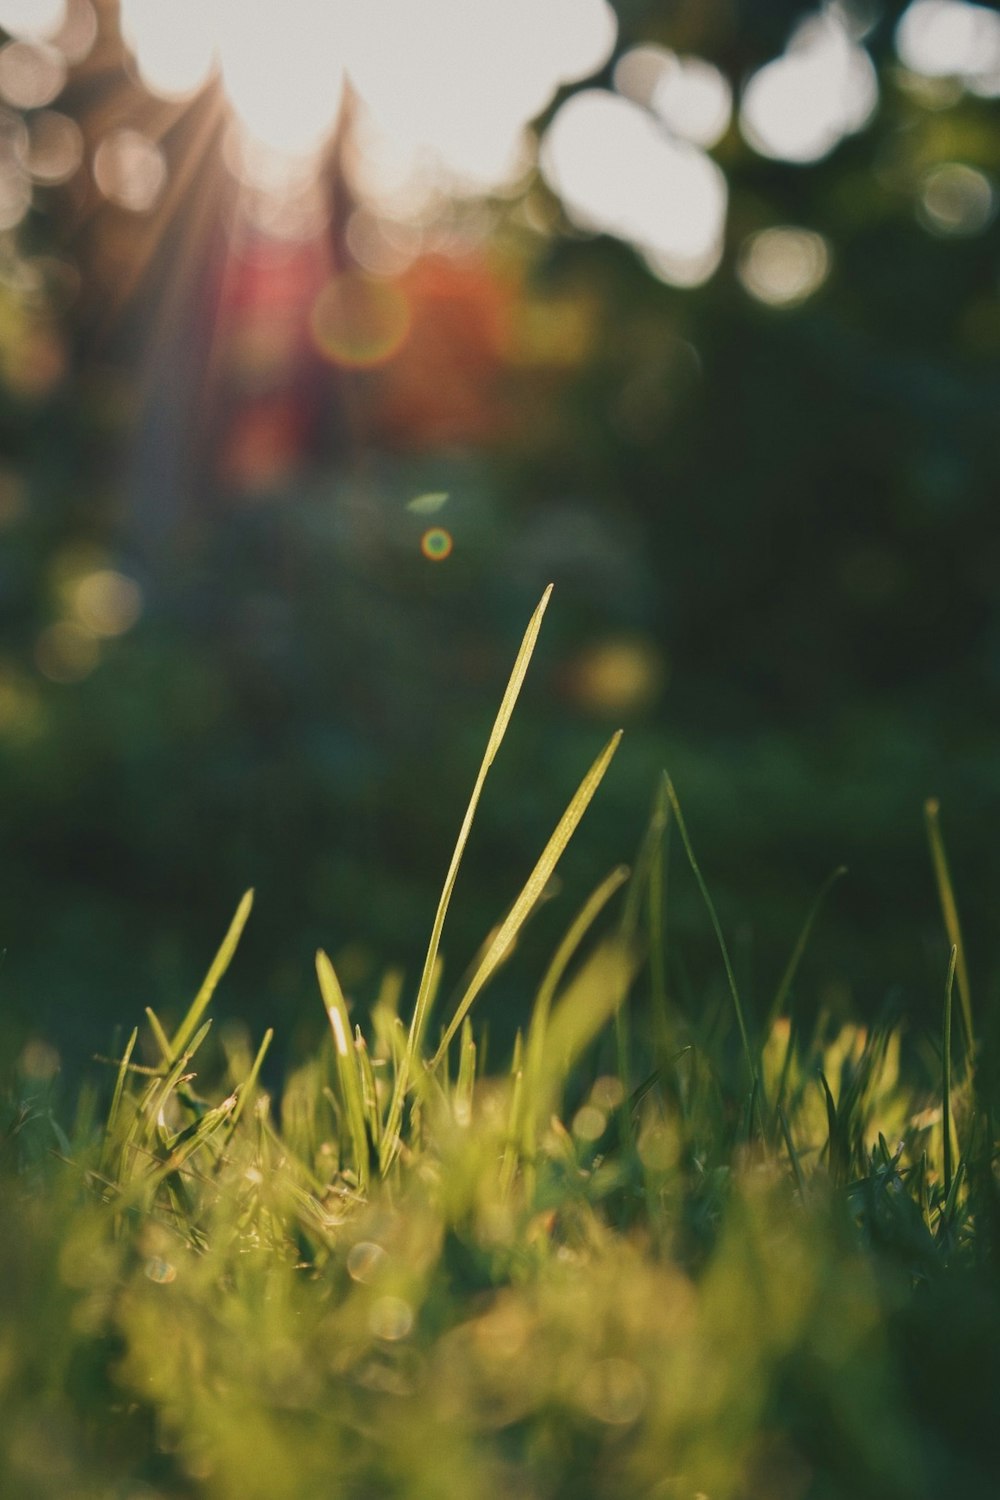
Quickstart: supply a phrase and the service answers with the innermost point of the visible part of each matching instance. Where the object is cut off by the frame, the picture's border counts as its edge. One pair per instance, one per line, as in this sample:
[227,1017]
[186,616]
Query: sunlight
[174,49]
[951,39]
[457,83]
[799,107]
[283,70]
[32,19]
[618,172]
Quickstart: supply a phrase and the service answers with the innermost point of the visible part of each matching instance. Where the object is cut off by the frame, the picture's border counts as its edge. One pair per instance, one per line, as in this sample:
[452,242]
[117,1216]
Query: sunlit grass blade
[116,1097]
[531,890]
[949,910]
[717,927]
[946,1071]
[561,959]
[588,1002]
[159,1035]
[347,1063]
[219,965]
[783,991]
[250,1082]
[426,987]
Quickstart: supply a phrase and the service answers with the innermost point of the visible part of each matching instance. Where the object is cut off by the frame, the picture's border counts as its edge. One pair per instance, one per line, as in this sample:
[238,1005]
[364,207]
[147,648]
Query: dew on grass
[160,1271]
[391,1319]
[364,1260]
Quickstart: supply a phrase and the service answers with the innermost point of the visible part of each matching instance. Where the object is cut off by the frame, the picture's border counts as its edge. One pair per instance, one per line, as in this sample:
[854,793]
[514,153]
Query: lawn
[662,1248]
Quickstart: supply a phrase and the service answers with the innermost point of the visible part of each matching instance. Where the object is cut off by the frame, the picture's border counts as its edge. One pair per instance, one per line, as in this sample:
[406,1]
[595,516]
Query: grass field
[664,1250]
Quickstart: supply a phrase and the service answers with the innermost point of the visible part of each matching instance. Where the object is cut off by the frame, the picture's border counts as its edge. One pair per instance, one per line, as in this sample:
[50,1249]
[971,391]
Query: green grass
[659,1251]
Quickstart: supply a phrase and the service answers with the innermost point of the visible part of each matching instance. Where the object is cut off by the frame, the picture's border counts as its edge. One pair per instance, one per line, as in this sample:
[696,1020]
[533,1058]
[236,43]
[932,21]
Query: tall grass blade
[561,959]
[788,978]
[219,965]
[531,891]
[946,1068]
[348,1071]
[426,987]
[717,927]
[119,1086]
[949,910]
[250,1083]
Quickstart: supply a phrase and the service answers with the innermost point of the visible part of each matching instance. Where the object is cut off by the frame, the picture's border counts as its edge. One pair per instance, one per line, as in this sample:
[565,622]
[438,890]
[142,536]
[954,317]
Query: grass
[660,1251]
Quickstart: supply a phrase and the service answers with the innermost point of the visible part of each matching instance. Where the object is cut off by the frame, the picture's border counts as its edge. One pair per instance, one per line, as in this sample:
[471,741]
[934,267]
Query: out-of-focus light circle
[65,652]
[622,675]
[437,544]
[54,147]
[130,170]
[784,266]
[799,107]
[694,100]
[359,321]
[618,172]
[31,74]
[283,68]
[638,71]
[586,30]
[950,39]
[957,200]
[78,32]
[32,19]
[106,602]
[380,246]
[15,195]
[173,47]
[456,84]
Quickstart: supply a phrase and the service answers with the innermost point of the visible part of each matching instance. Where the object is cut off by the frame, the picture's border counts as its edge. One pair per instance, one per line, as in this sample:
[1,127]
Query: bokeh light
[32,18]
[53,147]
[957,200]
[694,100]
[106,602]
[619,676]
[173,47]
[456,85]
[618,172]
[130,170]
[287,91]
[801,106]
[951,39]
[65,652]
[31,74]
[784,266]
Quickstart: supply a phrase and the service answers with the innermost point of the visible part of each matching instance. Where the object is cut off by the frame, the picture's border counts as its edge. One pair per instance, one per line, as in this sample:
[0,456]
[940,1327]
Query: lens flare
[359,321]
[437,544]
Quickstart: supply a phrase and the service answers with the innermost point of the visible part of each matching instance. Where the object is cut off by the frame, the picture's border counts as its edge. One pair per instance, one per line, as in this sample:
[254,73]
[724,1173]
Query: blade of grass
[788,978]
[946,1068]
[531,890]
[250,1082]
[717,927]
[219,965]
[426,987]
[562,958]
[348,1072]
[116,1098]
[949,910]
[159,1035]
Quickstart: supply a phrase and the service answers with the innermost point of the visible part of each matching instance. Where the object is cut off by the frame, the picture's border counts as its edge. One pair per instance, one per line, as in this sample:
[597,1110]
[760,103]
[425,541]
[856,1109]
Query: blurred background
[330,332]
